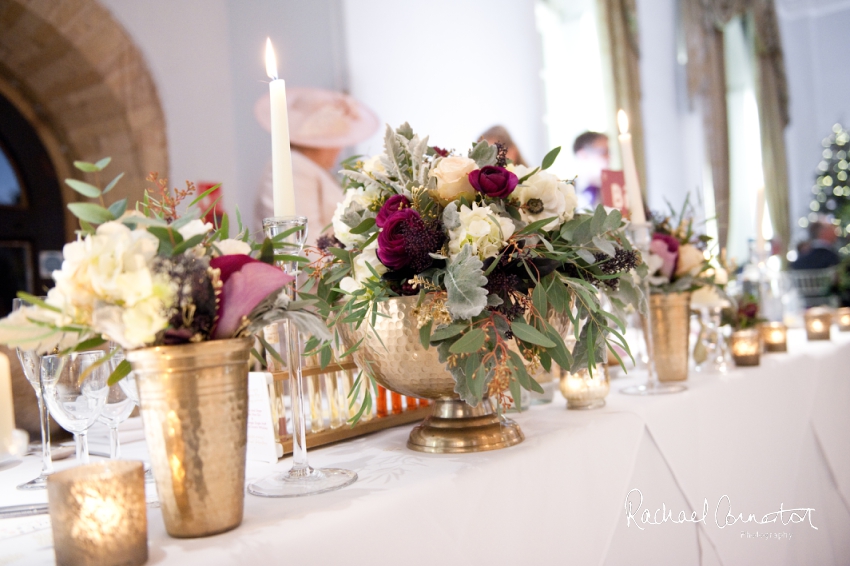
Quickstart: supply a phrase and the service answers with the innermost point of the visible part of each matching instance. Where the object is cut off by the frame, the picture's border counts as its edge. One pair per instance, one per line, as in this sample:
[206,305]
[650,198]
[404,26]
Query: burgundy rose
[391,240]
[667,248]
[391,206]
[493,181]
[245,282]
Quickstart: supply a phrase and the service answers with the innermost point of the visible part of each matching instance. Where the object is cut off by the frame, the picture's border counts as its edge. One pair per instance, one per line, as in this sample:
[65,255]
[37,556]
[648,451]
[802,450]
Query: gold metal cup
[405,367]
[194,402]
[670,328]
[98,514]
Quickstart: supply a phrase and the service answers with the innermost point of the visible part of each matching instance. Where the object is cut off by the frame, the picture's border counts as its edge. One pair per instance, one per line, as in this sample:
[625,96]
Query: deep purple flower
[667,248]
[391,248]
[391,206]
[246,282]
[493,181]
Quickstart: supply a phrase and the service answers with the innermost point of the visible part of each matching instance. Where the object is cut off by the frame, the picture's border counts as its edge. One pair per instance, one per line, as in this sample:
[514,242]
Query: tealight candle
[775,337]
[842,319]
[583,391]
[746,347]
[818,322]
[98,514]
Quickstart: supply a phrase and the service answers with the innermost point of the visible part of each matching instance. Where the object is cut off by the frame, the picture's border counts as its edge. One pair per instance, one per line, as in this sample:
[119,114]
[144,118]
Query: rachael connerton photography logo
[723,516]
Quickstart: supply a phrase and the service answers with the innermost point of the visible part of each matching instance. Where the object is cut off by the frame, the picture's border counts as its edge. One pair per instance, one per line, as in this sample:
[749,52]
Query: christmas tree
[832,188]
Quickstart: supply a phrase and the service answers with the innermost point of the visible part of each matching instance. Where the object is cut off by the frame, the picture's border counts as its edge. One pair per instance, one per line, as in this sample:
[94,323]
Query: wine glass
[301,479]
[31,362]
[116,409]
[75,391]
[131,391]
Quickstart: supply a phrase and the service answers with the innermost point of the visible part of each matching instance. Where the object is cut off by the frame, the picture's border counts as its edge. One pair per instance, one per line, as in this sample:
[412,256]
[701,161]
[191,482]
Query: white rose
[690,260]
[361,271]
[654,263]
[374,165]
[233,247]
[194,228]
[543,195]
[483,229]
[452,175]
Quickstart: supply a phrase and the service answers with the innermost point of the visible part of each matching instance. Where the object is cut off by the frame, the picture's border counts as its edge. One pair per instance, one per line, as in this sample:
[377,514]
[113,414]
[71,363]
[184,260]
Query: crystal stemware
[75,391]
[31,362]
[641,237]
[116,409]
[301,479]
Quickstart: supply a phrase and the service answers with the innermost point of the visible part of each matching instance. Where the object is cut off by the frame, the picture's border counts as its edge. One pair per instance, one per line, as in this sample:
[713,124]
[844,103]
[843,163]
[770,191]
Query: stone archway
[77,76]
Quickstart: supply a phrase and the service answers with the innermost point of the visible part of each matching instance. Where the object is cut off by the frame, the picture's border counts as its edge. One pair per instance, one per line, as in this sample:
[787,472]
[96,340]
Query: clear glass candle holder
[98,514]
[818,323]
[842,319]
[583,391]
[746,347]
[774,336]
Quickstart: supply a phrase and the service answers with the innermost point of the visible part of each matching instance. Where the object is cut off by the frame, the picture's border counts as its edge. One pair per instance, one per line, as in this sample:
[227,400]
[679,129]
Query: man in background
[591,151]
[821,252]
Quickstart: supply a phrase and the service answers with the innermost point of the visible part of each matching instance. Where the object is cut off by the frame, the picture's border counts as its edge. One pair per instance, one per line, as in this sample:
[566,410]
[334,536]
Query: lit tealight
[746,347]
[842,319]
[818,322]
[775,337]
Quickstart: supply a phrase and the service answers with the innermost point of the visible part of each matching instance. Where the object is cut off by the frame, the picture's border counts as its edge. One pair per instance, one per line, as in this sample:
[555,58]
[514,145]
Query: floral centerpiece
[493,252]
[151,276]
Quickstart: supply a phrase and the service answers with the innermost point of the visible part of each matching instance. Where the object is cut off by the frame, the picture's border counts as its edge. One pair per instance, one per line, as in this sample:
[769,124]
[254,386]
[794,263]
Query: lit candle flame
[623,121]
[271,60]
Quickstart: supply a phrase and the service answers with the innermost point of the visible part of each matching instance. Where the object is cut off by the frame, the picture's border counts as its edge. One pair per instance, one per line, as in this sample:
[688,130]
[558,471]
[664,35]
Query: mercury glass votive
[774,335]
[583,391]
[98,514]
[818,323]
[842,319]
[746,347]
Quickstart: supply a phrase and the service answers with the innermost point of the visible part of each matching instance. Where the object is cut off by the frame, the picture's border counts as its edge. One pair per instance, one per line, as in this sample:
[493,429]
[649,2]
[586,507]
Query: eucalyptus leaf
[550,158]
[90,212]
[112,183]
[605,246]
[118,208]
[447,332]
[470,342]
[86,167]
[586,255]
[121,371]
[365,225]
[529,334]
[101,165]
[615,218]
[85,189]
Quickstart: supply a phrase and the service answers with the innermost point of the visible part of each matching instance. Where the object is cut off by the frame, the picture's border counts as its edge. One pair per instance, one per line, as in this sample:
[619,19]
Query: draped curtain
[703,21]
[619,38]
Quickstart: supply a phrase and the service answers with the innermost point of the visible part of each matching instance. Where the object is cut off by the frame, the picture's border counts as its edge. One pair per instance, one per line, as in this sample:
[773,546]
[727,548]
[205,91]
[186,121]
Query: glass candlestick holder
[641,237]
[774,335]
[711,340]
[289,234]
[818,323]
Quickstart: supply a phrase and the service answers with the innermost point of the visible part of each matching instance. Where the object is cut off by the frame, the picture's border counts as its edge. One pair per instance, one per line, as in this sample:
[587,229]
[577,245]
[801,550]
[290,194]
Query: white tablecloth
[763,437]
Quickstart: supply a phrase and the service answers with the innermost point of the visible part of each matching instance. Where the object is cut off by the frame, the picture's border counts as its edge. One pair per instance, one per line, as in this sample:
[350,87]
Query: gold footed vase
[194,404]
[405,367]
[670,329]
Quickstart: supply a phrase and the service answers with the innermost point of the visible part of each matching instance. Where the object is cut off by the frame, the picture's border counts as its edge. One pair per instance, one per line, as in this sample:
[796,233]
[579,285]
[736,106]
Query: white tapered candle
[283,188]
[636,212]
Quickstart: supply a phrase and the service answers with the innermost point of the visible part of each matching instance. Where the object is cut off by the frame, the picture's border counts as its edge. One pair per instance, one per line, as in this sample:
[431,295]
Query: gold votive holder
[774,336]
[818,323]
[583,391]
[746,347]
[842,319]
[98,514]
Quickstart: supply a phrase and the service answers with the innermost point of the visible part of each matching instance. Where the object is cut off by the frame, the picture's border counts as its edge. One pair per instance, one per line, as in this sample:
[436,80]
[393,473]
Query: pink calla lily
[247,281]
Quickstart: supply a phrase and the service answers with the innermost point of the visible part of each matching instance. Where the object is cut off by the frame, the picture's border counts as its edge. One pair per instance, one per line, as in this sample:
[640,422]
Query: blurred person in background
[321,124]
[591,151]
[498,134]
[820,253]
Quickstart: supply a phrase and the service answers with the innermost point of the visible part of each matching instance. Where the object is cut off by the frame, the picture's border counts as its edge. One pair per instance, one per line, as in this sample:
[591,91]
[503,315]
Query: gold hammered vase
[405,367]
[194,404]
[670,329]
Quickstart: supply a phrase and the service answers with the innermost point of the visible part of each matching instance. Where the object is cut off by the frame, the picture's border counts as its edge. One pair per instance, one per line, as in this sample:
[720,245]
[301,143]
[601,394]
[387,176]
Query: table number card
[262,444]
[613,192]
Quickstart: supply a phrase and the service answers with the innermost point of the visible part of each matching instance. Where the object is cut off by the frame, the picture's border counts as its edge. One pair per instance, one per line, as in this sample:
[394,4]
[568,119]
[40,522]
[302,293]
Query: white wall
[815,41]
[451,68]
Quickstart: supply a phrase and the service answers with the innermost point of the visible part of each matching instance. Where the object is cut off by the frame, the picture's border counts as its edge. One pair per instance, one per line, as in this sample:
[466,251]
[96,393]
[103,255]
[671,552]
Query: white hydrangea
[362,198]
[483,229]
[361,270]
[543,195]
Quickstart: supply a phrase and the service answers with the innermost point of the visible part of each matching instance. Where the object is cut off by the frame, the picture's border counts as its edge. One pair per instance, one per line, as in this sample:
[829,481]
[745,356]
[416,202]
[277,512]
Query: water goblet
[75,391]
[31,362]
[116,409]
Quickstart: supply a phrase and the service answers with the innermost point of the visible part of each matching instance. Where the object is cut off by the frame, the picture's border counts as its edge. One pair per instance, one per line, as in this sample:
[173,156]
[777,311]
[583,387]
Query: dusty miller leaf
[451,217]
[465,282]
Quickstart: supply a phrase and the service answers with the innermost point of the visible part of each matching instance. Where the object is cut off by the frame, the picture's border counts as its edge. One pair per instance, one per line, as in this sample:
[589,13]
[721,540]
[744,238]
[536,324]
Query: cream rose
[194,228]
[452,174]
[543,195]
[233,247]
[690,260]
[481,228]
